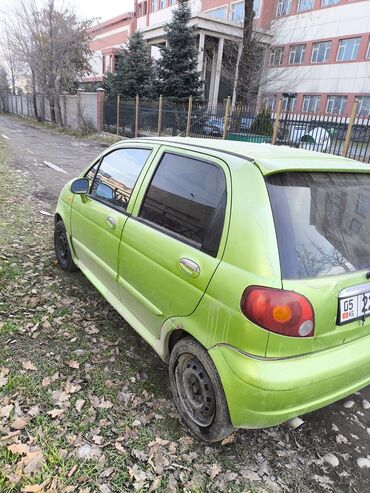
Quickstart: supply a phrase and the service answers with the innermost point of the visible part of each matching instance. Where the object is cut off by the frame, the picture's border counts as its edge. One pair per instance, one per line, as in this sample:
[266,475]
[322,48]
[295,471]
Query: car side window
[187,197]
[117,175]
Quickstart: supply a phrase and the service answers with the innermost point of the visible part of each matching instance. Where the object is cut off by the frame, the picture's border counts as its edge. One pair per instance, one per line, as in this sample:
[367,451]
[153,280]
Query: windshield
[322,222]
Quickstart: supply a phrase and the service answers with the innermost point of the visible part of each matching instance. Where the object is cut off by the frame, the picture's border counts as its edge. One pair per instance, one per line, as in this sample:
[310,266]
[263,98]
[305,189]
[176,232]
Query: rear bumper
[265,392]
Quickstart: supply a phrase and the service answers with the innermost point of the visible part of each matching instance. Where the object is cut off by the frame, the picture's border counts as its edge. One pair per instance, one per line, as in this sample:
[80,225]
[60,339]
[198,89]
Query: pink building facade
[318,50]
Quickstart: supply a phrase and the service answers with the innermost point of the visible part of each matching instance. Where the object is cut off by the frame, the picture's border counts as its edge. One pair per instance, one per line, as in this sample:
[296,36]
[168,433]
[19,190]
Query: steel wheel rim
[62,247]
[195,390]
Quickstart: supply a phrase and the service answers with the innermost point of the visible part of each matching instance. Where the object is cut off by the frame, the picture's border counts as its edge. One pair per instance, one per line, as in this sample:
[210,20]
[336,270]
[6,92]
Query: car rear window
[322,222]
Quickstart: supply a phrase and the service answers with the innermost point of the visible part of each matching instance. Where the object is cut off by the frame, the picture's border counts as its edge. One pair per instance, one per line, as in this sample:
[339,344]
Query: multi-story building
[318,50]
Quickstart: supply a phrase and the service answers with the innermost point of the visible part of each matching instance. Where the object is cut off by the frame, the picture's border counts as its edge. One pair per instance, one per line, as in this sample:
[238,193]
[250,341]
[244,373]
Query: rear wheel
[62,250]
[198,392]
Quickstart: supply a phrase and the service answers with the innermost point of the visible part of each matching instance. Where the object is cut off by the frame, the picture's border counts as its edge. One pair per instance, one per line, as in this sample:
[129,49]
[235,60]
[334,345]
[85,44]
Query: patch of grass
[101,138]
[8,328]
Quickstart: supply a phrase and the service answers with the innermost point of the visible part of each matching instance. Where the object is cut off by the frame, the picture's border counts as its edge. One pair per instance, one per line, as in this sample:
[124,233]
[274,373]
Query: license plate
[354,308]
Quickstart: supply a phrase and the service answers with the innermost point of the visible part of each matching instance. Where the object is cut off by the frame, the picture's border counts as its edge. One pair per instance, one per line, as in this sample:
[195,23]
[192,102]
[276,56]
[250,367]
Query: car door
[97,219]
[173,242]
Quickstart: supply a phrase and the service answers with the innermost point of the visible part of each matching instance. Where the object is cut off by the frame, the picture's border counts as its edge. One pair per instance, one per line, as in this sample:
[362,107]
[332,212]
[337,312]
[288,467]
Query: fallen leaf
[19,448]
[73,364]
[6,410]
[3,380]
[229,439]
[55,413]
[119,447]
[33,461]
[105,404]
[71,388]
[214,470]
[34,488]
[46,381]
[59,396]
[34,411]
[19,423]
[28,365]
[79,404]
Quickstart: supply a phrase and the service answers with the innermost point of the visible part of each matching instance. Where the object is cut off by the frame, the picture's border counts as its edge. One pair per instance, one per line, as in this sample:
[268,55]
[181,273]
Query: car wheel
[198,392]
[62,250]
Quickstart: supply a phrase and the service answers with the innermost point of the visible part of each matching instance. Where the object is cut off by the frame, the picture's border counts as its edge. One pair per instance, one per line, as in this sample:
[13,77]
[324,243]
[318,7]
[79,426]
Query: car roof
[269,158]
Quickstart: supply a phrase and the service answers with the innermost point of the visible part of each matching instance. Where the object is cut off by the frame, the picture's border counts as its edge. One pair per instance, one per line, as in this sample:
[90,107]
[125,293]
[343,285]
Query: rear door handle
[111,221]
[190,267]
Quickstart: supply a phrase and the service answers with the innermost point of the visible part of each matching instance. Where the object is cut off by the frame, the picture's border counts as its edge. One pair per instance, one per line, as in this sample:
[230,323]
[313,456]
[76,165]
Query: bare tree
[54,44]
[4,88]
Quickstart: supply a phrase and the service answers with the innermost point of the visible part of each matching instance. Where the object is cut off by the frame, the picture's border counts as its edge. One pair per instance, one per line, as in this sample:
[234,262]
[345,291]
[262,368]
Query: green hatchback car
[245,266]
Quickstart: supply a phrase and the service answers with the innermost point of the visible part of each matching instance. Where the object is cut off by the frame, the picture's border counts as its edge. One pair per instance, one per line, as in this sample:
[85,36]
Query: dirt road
[53,318]
[50,158]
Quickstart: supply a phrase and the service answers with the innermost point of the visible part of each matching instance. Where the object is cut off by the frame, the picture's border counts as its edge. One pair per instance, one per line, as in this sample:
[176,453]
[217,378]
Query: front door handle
[111,221]
[190,267]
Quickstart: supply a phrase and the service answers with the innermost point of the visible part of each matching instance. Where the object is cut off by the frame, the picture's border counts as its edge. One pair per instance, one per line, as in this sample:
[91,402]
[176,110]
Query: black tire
[198,393]
[61,247]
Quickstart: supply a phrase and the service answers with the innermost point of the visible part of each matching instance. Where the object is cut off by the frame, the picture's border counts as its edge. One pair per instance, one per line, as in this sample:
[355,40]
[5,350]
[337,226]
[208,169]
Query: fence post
[226,118]
[160,115]
[277,121]
[188,121]
[347,140]
[118,108]
[100,95]
[79,111]
[137,116]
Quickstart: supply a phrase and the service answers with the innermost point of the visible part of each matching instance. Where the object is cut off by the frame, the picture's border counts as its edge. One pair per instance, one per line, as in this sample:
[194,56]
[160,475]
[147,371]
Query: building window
[269,103]
[154,5]
[311,104]
[257,7]
[283,7]
[368,51]
[172,2]
[348,49]
[220,13]
[237,11]
[320,52]
[276,56]
[162,4]
[336,104]
[326,3]
[289,104]
[296,54]
[304,5]
[363,108]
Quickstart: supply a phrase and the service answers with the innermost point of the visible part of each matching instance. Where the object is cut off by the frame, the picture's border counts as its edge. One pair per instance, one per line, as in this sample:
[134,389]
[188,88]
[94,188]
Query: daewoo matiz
[245,267]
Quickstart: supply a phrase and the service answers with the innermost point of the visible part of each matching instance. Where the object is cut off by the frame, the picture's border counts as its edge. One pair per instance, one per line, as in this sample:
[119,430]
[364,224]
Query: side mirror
[105,192]
[80,186]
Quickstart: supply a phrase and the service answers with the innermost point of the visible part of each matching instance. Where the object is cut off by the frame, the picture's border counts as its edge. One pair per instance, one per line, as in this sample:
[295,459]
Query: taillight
[280,311]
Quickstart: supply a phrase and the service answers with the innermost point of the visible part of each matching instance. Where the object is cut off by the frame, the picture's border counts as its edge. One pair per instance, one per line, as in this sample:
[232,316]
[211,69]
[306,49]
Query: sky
[103,9]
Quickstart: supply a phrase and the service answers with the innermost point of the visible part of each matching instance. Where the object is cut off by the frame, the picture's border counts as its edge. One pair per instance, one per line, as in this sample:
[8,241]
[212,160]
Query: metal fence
[347,135]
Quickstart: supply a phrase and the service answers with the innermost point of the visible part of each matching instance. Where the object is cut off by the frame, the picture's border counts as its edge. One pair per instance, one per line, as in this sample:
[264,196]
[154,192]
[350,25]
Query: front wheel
[198,392]
[62,250]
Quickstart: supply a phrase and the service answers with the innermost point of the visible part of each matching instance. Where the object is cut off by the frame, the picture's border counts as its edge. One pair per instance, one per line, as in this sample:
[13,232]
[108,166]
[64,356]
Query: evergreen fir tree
[177,68]
[113,81]
[133,72]
[138,72]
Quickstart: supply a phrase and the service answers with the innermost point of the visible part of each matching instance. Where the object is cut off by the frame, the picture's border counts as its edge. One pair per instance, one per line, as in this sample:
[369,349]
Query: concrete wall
[79,111]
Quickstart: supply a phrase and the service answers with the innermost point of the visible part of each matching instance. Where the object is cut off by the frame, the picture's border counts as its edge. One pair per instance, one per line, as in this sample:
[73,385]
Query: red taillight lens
[280,311]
